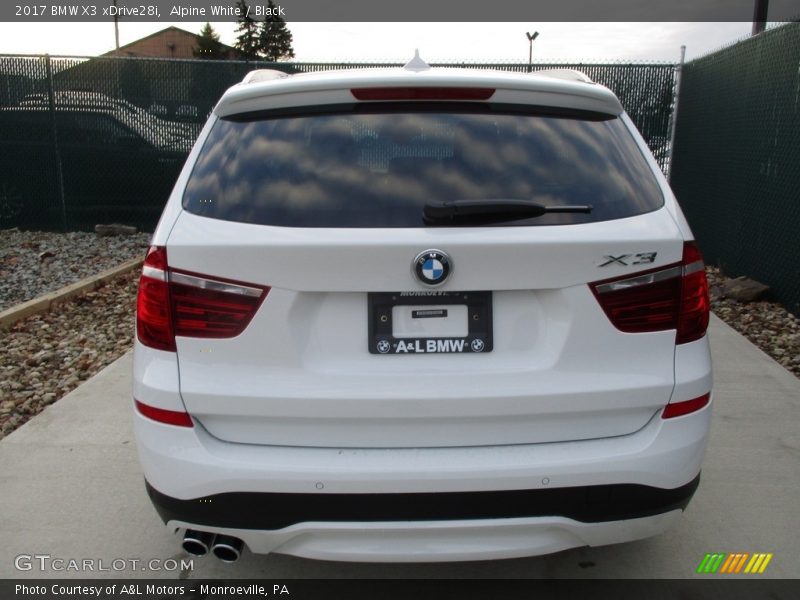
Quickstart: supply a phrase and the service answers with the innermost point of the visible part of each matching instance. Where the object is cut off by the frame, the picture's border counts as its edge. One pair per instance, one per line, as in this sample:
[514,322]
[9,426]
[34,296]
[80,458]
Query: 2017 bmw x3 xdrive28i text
[420,314]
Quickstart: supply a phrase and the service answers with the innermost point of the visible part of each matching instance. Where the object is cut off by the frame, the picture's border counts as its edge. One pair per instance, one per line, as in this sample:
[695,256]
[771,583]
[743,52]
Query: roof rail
[264,75]
[567,74]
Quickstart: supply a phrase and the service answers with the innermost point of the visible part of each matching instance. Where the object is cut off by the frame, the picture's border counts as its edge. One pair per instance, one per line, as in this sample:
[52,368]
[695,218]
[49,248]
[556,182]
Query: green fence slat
[124,127]
[736,163]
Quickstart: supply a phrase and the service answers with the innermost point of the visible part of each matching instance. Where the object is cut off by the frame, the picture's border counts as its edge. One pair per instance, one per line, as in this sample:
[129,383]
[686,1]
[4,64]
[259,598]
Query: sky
[396,42]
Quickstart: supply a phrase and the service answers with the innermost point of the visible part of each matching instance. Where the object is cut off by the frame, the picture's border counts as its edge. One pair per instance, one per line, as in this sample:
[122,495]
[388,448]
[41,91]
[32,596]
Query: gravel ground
[767,324]
[45,356]
[33,263]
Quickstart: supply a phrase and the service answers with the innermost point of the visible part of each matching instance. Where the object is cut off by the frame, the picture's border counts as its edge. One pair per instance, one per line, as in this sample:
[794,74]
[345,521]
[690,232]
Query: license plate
[430,322]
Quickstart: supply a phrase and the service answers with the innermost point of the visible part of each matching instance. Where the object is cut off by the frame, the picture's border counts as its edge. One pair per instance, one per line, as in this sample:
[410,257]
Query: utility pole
[673,119]
[116,26]
[759,16]
[531,37]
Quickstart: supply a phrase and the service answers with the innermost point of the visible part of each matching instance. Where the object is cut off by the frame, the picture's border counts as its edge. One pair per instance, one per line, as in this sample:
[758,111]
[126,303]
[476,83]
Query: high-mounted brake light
[422,93]
[175,303]
[670,297]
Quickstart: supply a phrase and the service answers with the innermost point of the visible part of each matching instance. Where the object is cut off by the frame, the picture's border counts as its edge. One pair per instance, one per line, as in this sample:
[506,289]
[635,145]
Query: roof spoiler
[264,75]
[566,74]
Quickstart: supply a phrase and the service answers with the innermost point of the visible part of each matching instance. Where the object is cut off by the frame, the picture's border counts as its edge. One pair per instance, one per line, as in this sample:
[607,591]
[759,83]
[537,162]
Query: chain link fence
[91,140]
[736,162]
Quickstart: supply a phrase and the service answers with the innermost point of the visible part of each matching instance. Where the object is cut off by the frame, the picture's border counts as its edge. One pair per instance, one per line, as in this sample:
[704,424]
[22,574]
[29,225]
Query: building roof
[172,42]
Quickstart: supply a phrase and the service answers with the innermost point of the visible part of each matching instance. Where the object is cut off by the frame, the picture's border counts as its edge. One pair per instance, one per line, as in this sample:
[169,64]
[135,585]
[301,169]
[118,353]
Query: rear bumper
[269,511]
[440,541]
[436,504]
[431,527]
[188,463]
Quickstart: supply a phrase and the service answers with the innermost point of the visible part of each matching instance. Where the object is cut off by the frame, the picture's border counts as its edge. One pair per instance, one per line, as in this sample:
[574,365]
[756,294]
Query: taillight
[422,93]
[153,319]
[175,303]
[210,308]
[678,409]
[672,297]
[695,303]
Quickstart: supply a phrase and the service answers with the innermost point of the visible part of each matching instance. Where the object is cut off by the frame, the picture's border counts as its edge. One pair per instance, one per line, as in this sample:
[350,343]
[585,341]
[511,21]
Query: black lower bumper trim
[265,511]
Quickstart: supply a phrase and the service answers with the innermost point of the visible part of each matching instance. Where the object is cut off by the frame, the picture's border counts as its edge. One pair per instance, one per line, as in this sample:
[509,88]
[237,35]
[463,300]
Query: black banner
[407,10]
[411,589]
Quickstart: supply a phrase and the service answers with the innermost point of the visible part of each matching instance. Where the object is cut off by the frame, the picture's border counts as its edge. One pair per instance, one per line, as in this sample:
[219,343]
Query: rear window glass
[379,167]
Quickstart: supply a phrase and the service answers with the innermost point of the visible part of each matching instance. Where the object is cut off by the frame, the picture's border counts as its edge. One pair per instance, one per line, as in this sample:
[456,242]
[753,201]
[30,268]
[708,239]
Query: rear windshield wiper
[491,210]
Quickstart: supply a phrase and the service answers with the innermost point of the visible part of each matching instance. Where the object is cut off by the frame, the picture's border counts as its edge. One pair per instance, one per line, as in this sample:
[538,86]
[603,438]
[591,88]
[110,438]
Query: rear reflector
[168,417]
[422,93]
[671,297]
[678,409]
[174,303]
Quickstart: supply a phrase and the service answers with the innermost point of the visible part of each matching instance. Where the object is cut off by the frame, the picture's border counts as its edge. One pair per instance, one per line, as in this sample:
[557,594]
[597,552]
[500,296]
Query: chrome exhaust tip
[197,543]
[227,548]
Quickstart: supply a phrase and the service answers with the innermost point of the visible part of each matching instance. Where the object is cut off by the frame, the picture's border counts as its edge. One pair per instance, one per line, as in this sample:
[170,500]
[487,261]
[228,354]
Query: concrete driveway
[71,488]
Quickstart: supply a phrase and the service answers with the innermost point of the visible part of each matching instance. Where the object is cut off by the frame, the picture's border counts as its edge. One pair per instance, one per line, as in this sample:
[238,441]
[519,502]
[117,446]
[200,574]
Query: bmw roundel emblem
[432,267]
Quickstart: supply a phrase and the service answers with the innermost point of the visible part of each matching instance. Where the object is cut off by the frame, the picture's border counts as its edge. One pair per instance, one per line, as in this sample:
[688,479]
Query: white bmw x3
[419,315]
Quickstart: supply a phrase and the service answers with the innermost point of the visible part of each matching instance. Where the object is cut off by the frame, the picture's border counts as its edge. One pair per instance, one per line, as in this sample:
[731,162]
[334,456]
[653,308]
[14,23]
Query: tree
[247,40]
[208,44]
[274,38]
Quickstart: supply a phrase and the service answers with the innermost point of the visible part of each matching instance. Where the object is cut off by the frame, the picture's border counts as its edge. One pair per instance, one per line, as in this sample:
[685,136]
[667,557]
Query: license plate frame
[479,338]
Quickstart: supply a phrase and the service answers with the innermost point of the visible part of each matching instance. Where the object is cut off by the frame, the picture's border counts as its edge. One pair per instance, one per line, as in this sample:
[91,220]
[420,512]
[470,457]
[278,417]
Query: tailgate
[302,373]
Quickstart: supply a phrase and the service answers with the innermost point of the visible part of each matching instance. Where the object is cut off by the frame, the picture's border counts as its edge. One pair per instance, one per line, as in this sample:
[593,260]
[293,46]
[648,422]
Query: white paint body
[297,404]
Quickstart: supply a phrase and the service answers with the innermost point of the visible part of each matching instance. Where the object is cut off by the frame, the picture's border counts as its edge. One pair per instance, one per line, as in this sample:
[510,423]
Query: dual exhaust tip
[225,547]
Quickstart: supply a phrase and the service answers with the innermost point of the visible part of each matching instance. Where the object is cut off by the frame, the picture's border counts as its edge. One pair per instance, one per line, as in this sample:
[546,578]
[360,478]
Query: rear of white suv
[420,315]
